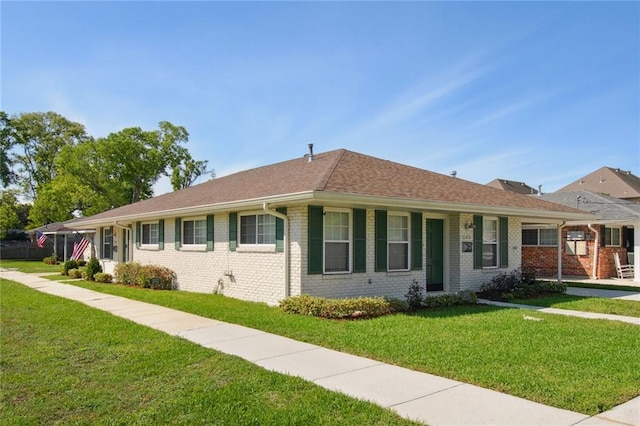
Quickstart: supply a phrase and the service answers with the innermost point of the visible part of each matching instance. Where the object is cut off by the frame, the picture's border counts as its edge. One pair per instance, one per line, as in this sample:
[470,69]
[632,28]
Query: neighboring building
[63,237]
[615,183]
[513,186]
[336,224]
[588,246]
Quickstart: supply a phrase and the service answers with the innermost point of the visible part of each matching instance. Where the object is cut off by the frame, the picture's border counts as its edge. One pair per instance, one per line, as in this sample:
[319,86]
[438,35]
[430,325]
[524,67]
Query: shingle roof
[609,181]
[334,172]
[605,208]
[512,185]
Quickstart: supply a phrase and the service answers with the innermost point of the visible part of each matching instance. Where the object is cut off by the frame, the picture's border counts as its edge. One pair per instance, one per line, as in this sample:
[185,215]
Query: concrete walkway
[418,396]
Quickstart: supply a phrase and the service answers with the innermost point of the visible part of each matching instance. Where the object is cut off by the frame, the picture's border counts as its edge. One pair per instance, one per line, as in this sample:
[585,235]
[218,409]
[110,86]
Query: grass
[588,366]
[65,363]
[30,266]
[587,304]
[582,365]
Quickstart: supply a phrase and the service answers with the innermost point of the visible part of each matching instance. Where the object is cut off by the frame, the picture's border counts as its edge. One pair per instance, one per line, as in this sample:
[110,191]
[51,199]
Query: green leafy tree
[7,141]
[9,218]
[35,139]
[185,174]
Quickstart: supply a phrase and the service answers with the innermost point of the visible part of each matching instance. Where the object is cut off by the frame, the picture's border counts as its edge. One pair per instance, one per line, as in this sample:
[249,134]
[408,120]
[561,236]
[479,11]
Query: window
[257,229]
[490,242]
[540,237]
[107,243]
[612,236]
[337,245]
[149,233]
[194,231]
[398,242]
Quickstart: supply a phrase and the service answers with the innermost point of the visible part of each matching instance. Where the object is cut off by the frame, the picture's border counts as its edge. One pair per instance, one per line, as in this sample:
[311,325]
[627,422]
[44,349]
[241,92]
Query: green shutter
[359,240]
[161,234]
[624,237]
[138,234]
[210,232]
[504,242]
[101,230]
[233,231]
[315,239]
[280,229]
[603,236]
[416,241]
[381,240]
[178,233]
[477,242]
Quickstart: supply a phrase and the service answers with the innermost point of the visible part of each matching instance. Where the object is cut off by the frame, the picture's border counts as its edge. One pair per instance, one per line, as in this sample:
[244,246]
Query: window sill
[194,247]
[266,248]
[150,247]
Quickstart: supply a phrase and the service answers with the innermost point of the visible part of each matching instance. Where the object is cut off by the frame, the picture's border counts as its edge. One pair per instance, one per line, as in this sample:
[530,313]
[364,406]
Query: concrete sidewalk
[419,396]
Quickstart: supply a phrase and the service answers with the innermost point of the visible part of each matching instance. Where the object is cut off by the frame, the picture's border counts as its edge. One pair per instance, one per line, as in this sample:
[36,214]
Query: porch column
[636,252]
[559,239]
[65,247]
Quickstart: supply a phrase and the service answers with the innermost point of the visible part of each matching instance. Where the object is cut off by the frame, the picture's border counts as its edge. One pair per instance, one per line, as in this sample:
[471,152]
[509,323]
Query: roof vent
[539,190]
[454,173]
[310,152]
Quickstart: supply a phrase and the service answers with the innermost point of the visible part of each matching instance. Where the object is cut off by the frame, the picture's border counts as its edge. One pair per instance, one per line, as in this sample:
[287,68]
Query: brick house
[588,247]
[335,224]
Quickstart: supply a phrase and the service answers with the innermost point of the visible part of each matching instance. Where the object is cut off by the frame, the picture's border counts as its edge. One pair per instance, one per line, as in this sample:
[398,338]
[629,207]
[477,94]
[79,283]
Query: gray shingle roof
[609,181]
[334,173]
[604,207]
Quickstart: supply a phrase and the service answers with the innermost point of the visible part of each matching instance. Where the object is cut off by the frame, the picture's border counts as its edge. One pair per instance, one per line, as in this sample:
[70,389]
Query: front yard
[582,365]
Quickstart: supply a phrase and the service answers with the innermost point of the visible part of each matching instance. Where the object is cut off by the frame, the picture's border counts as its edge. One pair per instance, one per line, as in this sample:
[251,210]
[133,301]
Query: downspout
[560,226]
[594,273]
[285,242]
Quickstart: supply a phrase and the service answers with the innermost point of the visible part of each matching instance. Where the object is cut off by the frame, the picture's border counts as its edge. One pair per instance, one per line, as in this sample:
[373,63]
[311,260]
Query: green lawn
[581,365]
[604,286]
[65,363]
[30,266]
[628,308]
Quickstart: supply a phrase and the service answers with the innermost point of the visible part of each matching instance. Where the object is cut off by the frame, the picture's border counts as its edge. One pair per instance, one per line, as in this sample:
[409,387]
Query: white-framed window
[612,237]
[540,237]
[107,243]
[257,229]
[194,231]
[490,242]
[150,233]
[337,241]
[398,242]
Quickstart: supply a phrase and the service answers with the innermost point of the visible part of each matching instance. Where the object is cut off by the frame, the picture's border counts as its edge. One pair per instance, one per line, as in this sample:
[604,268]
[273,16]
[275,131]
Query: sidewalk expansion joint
[428,394]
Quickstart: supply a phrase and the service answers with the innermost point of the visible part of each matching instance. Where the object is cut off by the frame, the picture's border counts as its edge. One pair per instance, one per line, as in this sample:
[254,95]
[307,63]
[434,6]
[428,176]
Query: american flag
[41,239]
[79,246]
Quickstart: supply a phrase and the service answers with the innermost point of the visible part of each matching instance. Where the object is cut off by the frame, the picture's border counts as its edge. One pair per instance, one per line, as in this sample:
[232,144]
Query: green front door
[435,255]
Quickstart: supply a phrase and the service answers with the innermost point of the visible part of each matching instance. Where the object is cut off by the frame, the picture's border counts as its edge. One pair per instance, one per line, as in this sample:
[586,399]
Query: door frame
[445,249]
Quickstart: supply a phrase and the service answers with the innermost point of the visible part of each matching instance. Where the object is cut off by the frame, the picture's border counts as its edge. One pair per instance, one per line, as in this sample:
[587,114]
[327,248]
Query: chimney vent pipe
[310,152]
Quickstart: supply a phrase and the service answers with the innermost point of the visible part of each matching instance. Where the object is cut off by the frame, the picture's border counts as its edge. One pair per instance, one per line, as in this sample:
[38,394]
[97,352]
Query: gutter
[596,251]
[285,241]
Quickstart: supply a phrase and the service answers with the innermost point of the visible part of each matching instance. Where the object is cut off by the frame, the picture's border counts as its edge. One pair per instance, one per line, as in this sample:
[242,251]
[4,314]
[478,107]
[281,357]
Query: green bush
[74,273]
[157,277]
[102,277]
[414,296]
[518,284]
[446,300]
[361,307]
[50,260]
[69,264]
[82,262]
[127,273]
[93,267]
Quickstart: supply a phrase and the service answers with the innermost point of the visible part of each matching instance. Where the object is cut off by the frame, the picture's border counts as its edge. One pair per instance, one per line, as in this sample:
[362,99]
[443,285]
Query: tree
[36,139]
[11,213]
[188,172]
[7,141]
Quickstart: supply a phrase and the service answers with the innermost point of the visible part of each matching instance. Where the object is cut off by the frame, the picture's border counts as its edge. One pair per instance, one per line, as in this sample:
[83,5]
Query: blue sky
[540,92]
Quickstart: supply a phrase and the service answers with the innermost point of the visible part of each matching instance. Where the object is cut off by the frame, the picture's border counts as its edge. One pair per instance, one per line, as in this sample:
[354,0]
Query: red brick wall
[544,260]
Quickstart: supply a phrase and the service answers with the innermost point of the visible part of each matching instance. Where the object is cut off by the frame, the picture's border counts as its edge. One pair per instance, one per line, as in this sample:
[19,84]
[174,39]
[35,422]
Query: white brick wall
[260,276]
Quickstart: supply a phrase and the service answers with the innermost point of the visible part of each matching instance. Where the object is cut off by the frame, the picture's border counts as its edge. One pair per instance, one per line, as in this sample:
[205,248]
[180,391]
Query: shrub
[518,284]
[156,277]
[93,267]
[127,273]
[82,262]
[69,264]
[414,296]
[50,260]
[361,307]
[447,300]
[74,273]
[102,277]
